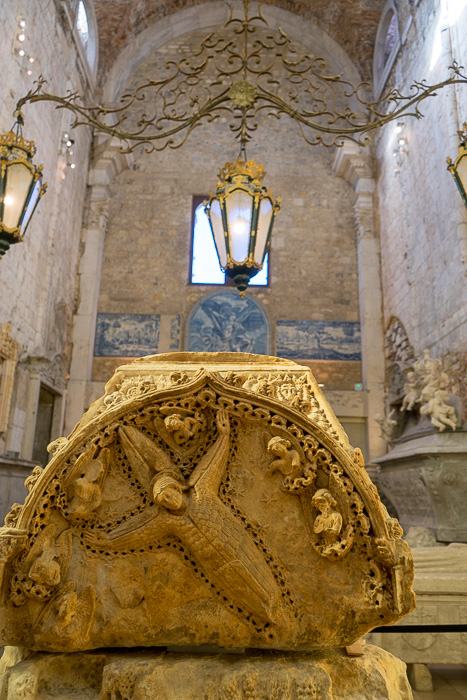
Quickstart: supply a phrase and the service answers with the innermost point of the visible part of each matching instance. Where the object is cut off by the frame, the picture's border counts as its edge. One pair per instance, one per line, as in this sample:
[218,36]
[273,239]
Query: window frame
[198,199]
[88,57]
[381,70]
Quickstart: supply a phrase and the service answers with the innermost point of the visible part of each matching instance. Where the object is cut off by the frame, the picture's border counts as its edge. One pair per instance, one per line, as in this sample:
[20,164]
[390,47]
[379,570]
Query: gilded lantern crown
[12,140]
[248,168]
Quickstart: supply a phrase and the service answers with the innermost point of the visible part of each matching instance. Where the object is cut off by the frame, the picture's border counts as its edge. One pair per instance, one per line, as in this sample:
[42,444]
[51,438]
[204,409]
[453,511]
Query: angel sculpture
[191,510]
[181,429]
[84,483]
[434,405]
[287,460]
[328,524]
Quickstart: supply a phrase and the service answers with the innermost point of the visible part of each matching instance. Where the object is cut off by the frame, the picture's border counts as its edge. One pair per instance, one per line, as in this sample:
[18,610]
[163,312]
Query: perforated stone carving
[206,507]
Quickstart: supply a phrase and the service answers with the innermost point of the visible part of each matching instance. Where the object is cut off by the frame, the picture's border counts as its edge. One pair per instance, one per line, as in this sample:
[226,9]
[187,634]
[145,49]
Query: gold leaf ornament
[243,94]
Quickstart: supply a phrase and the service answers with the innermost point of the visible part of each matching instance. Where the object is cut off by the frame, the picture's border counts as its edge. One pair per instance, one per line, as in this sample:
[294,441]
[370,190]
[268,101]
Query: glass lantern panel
[31,205]
[239,211]
[18,182]
[262,277]
[462,172]
[264,221]
[205,262]
[218,231]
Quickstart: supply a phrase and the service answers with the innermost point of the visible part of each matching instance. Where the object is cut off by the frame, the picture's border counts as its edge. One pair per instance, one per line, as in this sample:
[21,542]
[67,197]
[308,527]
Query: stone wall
[38,276]
[422,218]
[313,261]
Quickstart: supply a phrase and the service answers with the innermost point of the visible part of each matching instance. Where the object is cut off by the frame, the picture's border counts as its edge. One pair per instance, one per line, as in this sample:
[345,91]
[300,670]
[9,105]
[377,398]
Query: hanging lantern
[241,215]
[20,187]
[459,167]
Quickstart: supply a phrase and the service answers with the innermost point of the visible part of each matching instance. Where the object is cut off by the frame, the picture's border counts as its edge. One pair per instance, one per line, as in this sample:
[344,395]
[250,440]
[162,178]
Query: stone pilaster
[108,162]
[355,165]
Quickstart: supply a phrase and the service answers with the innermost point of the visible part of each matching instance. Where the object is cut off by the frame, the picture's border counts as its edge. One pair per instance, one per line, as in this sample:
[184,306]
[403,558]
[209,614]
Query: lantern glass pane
[261,277]
[18,182]
[218,231]
[239,211]
[31,205]
[462,172]
[205,263]
[264,221]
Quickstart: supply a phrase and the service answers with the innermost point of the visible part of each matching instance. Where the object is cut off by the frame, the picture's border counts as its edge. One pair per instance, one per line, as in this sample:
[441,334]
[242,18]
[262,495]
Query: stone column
[108,162]
[355,165]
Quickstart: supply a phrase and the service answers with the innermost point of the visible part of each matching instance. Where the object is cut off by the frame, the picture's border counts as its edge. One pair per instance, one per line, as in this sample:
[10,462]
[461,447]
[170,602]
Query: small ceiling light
[31,59]
[458,169]
[21,36]
[241,215]
[21,52]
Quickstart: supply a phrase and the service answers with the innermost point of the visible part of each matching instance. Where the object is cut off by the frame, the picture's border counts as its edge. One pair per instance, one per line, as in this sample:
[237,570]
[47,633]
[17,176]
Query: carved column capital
[108,162]
[353,163]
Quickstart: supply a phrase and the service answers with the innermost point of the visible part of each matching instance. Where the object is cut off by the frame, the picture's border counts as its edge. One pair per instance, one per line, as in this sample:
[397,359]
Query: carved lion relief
[202,511]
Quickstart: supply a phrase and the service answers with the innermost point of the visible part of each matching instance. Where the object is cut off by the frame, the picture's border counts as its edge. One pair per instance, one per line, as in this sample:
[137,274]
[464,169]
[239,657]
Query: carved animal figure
[84,483]
[192,511]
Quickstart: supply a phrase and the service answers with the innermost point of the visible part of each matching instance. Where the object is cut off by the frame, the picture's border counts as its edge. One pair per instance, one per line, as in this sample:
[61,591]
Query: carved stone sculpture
[400,357]
[388,425]
[204,500]
[425,389]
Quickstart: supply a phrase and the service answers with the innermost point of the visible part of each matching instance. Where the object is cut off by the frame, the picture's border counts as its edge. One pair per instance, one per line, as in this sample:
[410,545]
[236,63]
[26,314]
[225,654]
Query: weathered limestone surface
[207,502]
[205,499]
[329,675]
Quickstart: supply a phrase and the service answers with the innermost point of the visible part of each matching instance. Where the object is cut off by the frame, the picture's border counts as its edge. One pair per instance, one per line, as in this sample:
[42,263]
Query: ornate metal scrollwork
[243,71]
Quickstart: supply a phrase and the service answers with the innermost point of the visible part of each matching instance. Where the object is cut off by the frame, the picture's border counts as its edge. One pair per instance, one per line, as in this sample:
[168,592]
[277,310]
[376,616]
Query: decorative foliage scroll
[242,72]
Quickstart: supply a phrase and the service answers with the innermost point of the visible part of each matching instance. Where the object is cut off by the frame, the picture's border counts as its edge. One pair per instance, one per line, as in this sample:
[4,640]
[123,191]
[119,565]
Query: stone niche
[205,502]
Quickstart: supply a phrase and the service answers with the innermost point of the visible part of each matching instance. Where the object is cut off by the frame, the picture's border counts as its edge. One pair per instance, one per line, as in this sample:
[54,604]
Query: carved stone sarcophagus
[204,500]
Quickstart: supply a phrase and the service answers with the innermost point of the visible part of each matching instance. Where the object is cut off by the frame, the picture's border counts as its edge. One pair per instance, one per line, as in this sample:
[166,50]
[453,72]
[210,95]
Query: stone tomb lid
[204,500]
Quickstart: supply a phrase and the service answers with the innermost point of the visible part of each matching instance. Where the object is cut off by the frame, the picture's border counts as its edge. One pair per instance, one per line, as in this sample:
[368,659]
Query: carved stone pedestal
[426,479]
[144,675]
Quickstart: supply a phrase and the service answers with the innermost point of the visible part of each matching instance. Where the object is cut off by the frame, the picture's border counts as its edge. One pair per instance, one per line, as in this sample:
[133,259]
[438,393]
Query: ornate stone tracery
[170,502]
